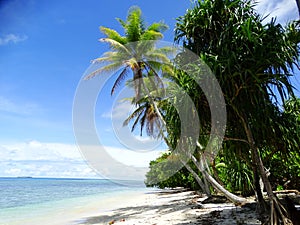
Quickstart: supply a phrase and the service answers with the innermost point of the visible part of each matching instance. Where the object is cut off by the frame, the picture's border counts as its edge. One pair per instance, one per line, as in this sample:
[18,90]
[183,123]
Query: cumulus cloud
[43,159]
[12,38]
[120,111]
[283,10]
[138,158]
[119,163]
[40,159]
[34,150]
[23,108]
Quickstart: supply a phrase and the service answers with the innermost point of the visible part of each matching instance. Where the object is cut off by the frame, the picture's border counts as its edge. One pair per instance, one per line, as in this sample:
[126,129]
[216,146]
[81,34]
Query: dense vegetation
[252,61]
[284,168]
[183,178]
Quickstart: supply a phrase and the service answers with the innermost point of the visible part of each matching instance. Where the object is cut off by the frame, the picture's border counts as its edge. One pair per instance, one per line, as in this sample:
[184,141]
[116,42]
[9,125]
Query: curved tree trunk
[277,211]
[206,175]
[233,198]
[198,179]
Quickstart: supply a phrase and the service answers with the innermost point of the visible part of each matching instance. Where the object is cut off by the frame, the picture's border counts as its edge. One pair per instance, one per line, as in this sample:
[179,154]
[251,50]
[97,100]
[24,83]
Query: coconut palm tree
[149,115]
[129,53]
[135,53]
[168,124]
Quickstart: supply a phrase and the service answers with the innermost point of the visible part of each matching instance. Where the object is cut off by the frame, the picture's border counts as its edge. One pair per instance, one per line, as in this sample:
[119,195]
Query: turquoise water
[22,199]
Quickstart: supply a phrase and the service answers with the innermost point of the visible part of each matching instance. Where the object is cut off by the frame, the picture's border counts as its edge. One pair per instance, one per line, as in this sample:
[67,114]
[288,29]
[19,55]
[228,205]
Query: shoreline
[138,207]
[169,207]
[67,211]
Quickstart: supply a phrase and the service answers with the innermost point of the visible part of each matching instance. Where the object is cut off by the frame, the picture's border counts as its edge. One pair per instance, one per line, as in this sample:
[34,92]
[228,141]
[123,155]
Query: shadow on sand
[201,214]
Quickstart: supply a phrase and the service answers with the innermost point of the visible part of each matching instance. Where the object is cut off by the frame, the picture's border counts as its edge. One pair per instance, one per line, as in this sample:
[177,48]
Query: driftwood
[296,192]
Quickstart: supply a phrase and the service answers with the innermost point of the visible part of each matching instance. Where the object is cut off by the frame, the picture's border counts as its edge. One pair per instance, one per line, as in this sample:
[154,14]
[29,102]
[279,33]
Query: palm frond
[122,22]
[110,68]
[114,35]
[102,59]
[154,77]
[134,125]
[143,122]
[158,57]
[134,25]
[168,51]
[132,63]
[119,80]
[115,45]
[158,27]
[133,115]
[136,116]
[151,35]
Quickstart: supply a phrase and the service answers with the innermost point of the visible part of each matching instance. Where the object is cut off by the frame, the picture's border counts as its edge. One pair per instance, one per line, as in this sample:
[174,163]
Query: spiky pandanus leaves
[252,61]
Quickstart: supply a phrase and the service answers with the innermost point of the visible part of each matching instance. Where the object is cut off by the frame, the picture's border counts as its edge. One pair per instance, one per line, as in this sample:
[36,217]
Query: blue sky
[45,48]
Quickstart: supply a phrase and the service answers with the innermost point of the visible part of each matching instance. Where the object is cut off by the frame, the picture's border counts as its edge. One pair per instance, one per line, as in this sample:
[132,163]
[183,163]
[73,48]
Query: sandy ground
[172,207]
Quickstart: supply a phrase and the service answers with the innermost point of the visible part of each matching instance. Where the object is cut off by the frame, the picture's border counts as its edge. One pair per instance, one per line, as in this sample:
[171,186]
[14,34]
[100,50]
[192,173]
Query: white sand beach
[168,207]
[138,207]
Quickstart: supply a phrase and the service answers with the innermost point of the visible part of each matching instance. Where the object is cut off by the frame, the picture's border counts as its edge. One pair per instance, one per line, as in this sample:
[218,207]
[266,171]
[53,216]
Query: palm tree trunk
[137,80]
[198,179]
[206,175]
[233,198]
[215,173]
[203,186]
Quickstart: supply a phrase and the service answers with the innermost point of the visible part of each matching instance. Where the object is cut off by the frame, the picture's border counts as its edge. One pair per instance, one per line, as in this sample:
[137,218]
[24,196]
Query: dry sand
[171,207]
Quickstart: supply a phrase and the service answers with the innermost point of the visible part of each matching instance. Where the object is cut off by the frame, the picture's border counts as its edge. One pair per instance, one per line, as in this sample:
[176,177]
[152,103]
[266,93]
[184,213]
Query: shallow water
[35,201]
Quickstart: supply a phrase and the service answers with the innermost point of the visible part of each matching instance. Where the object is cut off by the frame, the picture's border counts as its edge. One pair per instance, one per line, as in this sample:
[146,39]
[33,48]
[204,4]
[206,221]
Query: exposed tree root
[278,215]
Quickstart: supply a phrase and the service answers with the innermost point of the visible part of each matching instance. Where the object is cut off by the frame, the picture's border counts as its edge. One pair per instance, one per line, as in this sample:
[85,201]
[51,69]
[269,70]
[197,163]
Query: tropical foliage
[285,166]
[252,61]
[183,178]
[130,52]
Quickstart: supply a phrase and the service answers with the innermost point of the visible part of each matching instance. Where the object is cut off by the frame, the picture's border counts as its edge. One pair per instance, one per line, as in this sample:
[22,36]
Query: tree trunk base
[276,213]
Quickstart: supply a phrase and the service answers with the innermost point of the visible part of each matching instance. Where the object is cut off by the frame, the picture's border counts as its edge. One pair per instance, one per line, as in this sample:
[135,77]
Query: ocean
[34,200]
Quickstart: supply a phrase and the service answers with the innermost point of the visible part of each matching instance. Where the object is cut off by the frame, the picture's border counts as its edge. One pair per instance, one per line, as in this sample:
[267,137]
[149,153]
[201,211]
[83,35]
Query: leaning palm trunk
[202,185]
[202,169]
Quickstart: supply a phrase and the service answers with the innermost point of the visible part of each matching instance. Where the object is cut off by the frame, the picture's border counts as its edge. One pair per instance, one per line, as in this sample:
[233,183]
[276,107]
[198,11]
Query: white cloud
[284,10]
[23,108]
[12,38]
[146,139]
[43,159]
[119,163]
[138,158]
[120,111]
[36,151]
[38,159]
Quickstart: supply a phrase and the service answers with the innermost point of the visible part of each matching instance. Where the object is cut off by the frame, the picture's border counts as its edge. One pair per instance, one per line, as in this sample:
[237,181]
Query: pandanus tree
[148,113]
[285,165]
[252,62]
[175,125]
